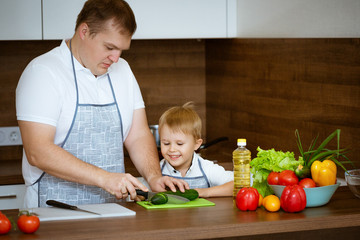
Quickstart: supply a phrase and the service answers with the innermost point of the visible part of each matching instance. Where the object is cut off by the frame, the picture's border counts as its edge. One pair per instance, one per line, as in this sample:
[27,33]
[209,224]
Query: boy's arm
[225,190]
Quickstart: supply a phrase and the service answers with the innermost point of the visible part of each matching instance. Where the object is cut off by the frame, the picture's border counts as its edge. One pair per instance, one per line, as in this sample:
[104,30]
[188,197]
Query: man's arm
[40,150]
[141,146]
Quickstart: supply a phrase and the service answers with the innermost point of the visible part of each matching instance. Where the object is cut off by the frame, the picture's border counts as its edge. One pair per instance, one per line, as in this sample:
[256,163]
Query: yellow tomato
[271,203]
[260,200]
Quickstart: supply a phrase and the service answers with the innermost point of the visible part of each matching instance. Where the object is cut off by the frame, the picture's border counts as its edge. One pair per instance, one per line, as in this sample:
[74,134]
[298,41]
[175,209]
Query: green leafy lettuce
[268,161]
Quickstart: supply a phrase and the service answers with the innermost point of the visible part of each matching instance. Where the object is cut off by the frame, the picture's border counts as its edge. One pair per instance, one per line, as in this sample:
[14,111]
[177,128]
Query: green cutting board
[199,202]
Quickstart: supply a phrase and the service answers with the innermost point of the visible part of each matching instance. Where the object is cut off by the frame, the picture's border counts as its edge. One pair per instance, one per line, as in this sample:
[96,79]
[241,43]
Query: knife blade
[67,206]
[173,199]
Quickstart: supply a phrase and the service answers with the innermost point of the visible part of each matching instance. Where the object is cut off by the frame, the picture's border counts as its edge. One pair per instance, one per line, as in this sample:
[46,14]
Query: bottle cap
[241,142]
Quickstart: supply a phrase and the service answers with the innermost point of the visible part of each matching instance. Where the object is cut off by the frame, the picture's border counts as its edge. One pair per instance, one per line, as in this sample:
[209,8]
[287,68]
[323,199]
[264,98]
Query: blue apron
[95,137]
[200,181]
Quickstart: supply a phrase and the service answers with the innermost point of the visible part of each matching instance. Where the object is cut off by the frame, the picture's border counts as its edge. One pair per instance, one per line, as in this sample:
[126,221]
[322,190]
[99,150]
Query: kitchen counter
[339,218]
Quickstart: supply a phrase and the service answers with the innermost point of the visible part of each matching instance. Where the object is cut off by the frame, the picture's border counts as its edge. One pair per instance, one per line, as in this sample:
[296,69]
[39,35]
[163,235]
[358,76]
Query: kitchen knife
[67,206]
[174,199]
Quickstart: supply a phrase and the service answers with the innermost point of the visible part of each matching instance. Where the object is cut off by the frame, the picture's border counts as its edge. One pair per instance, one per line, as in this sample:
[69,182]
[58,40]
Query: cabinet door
[157,19]
[298,18]
[59,18]
[20,20]
[12,196]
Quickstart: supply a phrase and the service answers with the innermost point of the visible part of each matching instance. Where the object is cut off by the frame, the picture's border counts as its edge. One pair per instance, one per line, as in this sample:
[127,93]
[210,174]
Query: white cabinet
[20,20]
[166,19]
[298,18]
[59,18]
[156,19]
[12,196]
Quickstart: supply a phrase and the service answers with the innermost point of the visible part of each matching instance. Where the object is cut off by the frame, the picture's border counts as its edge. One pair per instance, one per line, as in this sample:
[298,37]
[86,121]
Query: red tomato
[247,199]
[28,223]
[288,177]
[273,178]
[5,224]
[293,199]
[307,183]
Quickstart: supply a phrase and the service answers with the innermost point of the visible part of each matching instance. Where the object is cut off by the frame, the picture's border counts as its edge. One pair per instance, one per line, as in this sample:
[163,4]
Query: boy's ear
[198,143]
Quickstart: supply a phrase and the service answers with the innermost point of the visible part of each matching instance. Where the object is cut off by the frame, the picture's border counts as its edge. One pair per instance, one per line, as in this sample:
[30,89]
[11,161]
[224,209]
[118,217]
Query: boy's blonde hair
[182,118]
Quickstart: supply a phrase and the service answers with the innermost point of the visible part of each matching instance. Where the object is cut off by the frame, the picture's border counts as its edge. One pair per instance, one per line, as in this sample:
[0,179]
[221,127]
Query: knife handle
[142,193]
[60,205]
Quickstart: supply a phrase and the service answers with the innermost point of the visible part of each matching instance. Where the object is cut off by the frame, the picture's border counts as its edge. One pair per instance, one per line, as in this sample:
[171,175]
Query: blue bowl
[315,197]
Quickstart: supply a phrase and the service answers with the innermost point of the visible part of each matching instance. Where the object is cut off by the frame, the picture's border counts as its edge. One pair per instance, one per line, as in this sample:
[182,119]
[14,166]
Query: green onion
[321,153]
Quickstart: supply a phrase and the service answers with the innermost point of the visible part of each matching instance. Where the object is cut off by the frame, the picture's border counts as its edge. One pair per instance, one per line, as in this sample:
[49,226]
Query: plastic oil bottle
[241,161]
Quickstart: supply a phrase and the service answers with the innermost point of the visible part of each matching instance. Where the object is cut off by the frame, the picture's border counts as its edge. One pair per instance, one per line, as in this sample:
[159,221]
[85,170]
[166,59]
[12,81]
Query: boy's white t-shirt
[46,93]
[215,173]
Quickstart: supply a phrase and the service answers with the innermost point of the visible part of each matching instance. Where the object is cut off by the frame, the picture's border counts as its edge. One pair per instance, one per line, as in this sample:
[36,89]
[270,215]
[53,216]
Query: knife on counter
[173,199]
[67,206]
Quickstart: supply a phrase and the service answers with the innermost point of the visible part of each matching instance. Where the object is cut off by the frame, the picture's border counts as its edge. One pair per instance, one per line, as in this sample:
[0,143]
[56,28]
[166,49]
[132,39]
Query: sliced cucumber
[159,198]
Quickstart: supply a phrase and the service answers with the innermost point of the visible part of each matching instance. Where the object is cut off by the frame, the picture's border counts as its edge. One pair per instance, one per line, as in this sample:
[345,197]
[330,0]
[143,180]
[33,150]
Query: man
[76,107]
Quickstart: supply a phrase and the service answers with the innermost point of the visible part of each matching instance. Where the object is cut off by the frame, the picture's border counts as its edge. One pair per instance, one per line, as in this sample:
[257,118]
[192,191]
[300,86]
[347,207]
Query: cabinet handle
[10,196]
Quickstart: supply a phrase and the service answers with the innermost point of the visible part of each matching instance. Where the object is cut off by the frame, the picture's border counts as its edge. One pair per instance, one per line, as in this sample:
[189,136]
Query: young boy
[180,136]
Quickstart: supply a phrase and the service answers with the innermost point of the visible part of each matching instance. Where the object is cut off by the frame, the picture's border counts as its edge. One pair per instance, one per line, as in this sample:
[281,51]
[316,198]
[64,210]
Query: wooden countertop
[340,217]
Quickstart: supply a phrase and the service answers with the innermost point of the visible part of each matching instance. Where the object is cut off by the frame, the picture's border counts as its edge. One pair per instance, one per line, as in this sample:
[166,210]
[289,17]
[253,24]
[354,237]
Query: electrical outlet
[10,136]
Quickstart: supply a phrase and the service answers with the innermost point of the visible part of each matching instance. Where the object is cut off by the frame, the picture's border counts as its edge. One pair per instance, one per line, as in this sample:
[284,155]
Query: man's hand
[122,184]
[159,184]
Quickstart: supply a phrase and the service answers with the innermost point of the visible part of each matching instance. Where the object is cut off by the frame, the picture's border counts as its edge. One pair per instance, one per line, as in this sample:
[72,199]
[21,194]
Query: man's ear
[83,29]
[198,143]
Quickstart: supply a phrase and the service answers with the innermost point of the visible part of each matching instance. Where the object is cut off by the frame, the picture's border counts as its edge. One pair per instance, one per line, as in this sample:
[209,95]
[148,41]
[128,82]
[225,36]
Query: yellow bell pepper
[323,173]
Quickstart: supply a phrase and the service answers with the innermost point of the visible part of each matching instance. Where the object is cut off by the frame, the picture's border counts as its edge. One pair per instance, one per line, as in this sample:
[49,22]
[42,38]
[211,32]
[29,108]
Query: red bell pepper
[293,199]
[247,199]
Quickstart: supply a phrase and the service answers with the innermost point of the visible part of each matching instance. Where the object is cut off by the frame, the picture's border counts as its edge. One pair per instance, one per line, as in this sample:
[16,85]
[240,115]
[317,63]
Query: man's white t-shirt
[46,93]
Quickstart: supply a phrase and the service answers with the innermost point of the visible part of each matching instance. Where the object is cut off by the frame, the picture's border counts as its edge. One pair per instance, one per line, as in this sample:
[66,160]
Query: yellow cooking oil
[241,161]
